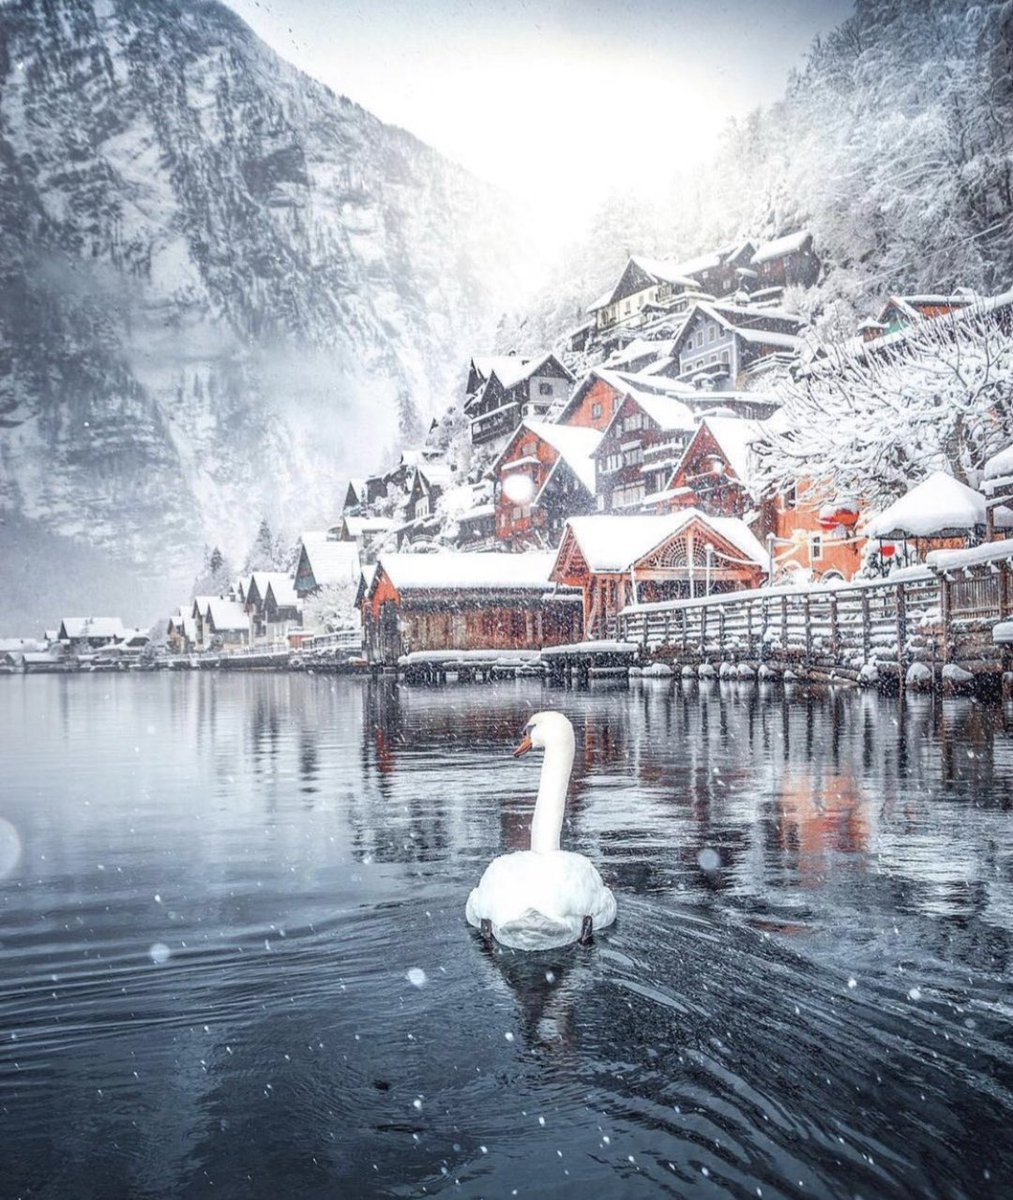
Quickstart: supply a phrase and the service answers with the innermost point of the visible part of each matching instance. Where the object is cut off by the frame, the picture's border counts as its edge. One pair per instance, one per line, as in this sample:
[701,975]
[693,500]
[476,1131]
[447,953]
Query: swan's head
[545,729]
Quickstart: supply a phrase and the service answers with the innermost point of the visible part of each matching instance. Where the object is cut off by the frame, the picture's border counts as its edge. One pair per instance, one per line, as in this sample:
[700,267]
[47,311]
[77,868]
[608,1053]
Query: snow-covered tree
[331,608]
[268,553]
[215,575]
[872,424]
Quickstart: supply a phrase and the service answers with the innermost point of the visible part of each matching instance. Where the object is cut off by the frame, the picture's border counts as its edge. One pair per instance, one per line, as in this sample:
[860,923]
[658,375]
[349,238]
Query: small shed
[462,601]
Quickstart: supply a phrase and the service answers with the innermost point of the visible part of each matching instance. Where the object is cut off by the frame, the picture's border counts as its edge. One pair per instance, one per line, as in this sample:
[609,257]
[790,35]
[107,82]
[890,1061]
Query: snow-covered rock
[706,670]
[918,677]
[658,670]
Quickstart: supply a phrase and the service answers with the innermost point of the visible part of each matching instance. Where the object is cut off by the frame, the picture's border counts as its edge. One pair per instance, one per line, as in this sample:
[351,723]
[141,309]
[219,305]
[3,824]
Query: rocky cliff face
[218,282]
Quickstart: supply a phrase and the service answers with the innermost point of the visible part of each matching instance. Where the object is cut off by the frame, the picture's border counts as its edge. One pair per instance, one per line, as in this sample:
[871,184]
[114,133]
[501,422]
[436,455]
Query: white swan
[543,897]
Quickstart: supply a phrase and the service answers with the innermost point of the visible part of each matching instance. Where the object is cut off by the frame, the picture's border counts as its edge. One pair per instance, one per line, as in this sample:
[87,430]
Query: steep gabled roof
[330,561]
[733,436]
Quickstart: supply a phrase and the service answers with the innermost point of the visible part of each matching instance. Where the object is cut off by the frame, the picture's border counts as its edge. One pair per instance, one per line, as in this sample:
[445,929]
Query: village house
[593,402]
[640,559]
[648,287]
[714,472]
[182,633]
[429,482]
[89,633]
[365,531]
[515,389]
[271,604]
[464,601]
[729,342]
[544,475]
[639,448]
[223,623]
[788,261]
[324,562]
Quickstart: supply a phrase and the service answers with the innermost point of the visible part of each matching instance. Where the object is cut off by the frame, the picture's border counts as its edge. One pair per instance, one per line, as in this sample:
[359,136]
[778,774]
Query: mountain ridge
[215,271]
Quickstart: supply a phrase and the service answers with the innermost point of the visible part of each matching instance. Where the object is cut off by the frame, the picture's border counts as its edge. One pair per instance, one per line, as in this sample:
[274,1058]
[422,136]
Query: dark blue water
[233,959]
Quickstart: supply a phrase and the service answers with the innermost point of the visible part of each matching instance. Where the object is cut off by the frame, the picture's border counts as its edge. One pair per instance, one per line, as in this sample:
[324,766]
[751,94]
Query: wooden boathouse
[413,604]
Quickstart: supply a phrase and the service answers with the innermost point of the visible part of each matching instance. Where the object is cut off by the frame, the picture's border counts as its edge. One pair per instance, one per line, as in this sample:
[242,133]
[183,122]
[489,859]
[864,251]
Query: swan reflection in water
[547,986]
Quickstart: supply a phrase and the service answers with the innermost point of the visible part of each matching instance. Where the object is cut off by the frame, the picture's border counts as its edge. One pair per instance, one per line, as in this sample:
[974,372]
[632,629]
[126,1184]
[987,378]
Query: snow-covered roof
[263,580]
[282,588]
[940,506]
[92,627]
[734,436]
[436,474]
[19,645]
[948,560]
[227,615]
[790,243]
[998,472]
[360,526]
[611,543]
[512,371]
[456,570]
[572,443]
[500,364]
[331,561]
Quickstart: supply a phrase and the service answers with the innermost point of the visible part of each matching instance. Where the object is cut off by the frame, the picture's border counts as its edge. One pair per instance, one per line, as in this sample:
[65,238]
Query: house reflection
[819,816]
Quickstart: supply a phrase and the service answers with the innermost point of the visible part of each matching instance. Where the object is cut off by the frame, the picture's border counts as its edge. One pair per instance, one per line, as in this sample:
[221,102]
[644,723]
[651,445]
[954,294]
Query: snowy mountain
[223,286]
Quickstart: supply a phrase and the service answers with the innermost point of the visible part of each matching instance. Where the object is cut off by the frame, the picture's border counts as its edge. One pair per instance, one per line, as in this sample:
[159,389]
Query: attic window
[595,410]
[545,389]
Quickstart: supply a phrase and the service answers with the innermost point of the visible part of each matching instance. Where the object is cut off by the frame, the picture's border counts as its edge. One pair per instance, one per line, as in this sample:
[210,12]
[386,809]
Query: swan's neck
[548,819]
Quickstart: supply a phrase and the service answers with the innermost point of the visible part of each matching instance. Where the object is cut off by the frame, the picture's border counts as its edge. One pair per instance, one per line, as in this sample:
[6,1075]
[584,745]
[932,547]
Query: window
[724,356]
[422,507]
[595,410]
[626,306]
[637,420]
[689,343]
[632,493]
[613,461]
[791,497]
[633,456]
[545,389]
[712,333]
[816,546]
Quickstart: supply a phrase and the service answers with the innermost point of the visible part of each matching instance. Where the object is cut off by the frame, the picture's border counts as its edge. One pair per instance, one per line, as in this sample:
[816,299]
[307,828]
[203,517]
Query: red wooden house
[593,403]
[619,560]
[714,471]
[544,475]
[464,601]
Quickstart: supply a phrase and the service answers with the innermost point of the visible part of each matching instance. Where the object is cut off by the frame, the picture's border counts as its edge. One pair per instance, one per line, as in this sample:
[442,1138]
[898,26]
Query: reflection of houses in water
[820,815]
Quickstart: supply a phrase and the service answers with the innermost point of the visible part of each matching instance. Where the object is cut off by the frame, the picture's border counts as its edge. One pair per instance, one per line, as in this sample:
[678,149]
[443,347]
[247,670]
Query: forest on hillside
[893,144]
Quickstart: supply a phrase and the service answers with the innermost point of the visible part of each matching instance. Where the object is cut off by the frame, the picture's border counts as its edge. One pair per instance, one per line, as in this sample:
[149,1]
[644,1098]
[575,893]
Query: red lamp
[888,549]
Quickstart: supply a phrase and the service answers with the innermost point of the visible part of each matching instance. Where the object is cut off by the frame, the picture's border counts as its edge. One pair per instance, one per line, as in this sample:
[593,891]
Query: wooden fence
[870,619]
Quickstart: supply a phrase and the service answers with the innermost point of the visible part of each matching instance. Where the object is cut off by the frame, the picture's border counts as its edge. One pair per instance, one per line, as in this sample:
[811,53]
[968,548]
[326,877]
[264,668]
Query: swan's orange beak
[524,747]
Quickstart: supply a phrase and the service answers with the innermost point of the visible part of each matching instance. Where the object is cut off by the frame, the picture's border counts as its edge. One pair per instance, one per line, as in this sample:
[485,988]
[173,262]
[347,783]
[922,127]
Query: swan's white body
[538,898]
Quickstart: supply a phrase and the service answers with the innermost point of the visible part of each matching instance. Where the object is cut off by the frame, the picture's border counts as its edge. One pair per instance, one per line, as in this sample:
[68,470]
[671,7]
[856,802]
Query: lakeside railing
[871,618]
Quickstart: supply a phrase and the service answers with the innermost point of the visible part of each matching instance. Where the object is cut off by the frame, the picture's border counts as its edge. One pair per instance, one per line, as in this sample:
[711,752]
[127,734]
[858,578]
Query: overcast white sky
[534,94]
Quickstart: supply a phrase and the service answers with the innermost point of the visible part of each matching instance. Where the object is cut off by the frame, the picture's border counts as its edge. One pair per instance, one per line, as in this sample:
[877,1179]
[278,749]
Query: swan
[543,897]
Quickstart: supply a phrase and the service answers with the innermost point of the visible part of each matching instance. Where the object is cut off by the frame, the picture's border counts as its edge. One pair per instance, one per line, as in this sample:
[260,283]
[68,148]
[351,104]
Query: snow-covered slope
[221,285]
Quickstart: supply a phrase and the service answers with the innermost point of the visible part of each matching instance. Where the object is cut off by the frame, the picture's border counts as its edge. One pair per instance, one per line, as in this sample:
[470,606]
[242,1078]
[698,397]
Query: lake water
[233,958]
